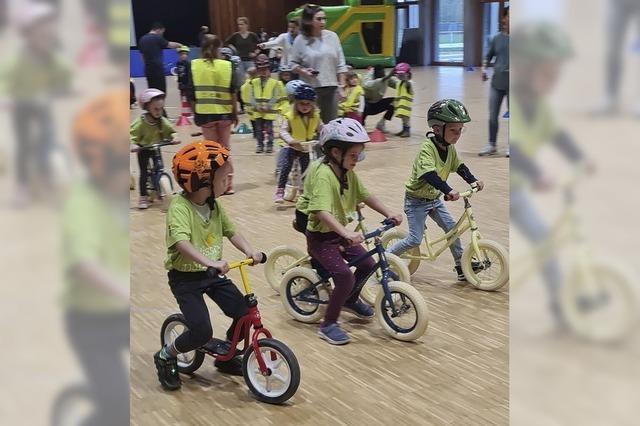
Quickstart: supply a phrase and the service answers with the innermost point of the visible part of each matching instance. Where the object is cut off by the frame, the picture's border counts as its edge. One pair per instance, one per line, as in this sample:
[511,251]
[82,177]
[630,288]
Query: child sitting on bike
[151,127]
[196,225]
[335,193]
[353,104]
[301,124]
[433,164]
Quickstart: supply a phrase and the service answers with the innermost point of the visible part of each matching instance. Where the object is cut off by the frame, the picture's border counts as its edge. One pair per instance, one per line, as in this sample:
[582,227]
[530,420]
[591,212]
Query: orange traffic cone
[185,117]
[377,136]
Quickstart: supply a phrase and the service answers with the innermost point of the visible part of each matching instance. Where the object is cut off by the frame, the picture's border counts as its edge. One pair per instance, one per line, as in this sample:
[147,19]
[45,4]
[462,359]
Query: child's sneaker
[488,150]
[232,367]
[278,197]
[167,371]
[461,276]
[269,149]
[333,334]
[259,149]
[359,309]
[405,133]
[143,202]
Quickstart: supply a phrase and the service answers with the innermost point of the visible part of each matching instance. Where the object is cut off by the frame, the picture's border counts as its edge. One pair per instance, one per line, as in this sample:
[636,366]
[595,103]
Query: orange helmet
[100,133]
[195,163]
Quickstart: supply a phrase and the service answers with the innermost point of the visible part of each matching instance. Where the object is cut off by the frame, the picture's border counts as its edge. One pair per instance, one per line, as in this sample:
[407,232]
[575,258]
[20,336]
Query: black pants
[98,340]
[143,162]
[34,132]
[189,288]
[292,154]
[155,78]
[385,104]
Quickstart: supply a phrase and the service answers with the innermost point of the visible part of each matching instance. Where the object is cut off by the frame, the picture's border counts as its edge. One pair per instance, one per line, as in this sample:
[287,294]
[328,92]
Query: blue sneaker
[359,309]
[333,334]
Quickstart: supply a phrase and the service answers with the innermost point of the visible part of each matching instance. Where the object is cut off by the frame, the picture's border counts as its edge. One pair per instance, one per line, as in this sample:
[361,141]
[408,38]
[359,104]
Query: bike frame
[251,319]
[381,265]
[465,222]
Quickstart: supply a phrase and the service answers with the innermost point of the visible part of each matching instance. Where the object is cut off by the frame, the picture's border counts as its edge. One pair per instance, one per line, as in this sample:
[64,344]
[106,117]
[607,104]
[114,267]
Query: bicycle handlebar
[155,145]
[214,272]
[466,194]
[386,225]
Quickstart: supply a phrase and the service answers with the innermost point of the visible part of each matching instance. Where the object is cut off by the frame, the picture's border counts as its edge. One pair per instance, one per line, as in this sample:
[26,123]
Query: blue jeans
[417,211]
[495,101]
[264,125]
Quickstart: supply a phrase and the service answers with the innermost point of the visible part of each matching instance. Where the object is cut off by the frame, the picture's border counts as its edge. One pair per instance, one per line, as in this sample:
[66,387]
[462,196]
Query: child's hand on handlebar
[256,256]
[354,238]
[135,148]
[396,219]
[221,266]
[452,196]
[479,184]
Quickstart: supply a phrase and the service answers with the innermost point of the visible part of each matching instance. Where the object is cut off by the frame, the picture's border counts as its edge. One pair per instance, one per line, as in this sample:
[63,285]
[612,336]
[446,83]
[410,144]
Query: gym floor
[457,373]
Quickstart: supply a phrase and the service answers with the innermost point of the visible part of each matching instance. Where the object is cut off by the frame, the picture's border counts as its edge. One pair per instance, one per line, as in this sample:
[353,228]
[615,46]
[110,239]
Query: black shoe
[269,149]
[232,367]
[461,276]
[259,150]
[167,372]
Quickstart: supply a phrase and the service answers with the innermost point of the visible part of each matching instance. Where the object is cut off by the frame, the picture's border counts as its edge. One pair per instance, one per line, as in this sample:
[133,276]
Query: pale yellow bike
[485,263]
[596,297]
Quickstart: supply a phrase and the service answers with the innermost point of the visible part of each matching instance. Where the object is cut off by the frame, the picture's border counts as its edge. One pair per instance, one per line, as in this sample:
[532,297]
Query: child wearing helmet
[196,224]
[336,190]
[433,164]
[404,98]
[353,104]
[245,96]
[151,127]
[301,124]
[181,68]
[266,94]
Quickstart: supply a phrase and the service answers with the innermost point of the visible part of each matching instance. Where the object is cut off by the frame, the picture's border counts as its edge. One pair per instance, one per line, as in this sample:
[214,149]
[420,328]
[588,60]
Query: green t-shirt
[303,201]
[429,160]
[325,196]
[529,134]
[94,231]
[185,224]
[143,133]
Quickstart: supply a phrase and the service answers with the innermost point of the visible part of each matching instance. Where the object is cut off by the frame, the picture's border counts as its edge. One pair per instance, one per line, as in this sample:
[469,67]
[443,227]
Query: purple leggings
[325,248]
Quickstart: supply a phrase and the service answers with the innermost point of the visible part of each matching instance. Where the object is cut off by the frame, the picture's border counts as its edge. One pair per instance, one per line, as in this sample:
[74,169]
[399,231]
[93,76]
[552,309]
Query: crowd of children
[197,223]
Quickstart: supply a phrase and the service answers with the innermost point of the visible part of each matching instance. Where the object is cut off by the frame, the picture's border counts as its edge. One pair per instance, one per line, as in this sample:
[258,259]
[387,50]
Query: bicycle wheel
[172,327]
[372,286]
[284,372]
[412,318]
[279,261]
[165,188]
[598,302]
[293,284]
[487,270]
[390,237]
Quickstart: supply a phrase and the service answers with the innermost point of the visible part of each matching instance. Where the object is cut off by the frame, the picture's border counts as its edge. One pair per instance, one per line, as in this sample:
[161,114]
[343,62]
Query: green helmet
[183,48]
[447,111]
[539,41]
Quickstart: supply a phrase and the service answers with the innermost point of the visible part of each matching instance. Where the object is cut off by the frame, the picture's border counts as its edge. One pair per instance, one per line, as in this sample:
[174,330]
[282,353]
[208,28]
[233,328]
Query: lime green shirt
[94,232]
[428,160]
[143,133]
[303,200]
[325,196]
[185,224]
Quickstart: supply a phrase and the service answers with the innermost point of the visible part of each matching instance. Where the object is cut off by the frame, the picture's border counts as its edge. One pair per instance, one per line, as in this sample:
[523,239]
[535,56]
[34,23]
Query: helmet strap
[343,171]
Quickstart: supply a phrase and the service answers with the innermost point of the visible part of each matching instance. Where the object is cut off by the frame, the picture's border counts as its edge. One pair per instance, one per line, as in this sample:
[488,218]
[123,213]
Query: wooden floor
[457,373]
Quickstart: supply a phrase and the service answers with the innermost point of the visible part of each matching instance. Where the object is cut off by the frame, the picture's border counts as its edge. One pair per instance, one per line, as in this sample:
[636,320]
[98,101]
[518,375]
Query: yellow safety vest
[352,103]
[300,131]
[245,94]
[403,101]
[212,85]
[265,95]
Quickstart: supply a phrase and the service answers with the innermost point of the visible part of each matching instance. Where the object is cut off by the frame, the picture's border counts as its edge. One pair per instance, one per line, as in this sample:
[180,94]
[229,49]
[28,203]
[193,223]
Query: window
[449,31]
[372,34]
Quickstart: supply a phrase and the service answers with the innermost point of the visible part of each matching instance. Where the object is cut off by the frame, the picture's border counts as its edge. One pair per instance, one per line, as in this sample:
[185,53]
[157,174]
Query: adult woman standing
[317,57]
[245,43]
[211,88]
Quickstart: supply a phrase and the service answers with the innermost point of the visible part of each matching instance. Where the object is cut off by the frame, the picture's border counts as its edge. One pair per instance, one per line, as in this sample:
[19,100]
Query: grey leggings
[327,103]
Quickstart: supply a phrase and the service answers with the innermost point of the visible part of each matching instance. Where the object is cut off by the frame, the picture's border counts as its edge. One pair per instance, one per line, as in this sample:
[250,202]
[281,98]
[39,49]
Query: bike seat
[217,346]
